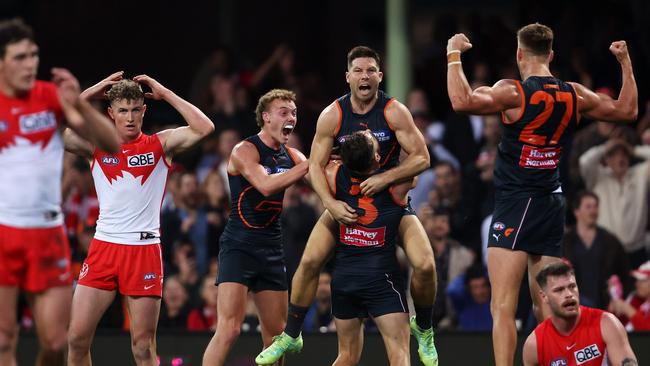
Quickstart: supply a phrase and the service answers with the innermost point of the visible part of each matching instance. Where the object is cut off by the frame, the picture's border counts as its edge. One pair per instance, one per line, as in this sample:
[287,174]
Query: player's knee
[399,356]
[348,358]
[310,265]
[78,345]
[229,331]
[142,347]
[7,339]
[502,308]
[54,342]
[425,268]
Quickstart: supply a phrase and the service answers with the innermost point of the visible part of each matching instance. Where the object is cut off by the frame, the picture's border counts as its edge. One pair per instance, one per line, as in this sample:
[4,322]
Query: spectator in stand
[224,107]
[277,71]
[635,312]
[470,297]
[623,192]
[191,217]
[204,316]
[463,219]
[175,308]
[217,207]
[319,316]
[186,271]
[452,259]
[298,218]
[595,253]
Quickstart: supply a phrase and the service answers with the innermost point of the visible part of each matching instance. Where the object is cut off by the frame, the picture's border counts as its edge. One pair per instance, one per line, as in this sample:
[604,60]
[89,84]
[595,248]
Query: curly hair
[125,89]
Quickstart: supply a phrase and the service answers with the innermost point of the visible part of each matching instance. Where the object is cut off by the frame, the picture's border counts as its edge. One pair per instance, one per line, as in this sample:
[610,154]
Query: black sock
[423,316]
[295,319]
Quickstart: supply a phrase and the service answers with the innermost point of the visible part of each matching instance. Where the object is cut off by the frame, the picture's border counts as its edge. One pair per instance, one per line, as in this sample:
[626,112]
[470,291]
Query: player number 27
[528,136]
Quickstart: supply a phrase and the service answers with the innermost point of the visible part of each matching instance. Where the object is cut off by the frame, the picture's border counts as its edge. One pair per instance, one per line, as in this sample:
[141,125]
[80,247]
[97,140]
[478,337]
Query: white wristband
[453,63]
[453,51]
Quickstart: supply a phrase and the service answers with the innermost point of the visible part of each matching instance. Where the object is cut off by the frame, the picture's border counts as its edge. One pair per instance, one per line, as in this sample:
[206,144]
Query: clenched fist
[619,49]
[458,42]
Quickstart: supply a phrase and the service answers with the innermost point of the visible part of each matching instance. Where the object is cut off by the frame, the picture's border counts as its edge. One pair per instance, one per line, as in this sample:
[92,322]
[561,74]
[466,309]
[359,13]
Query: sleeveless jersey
[254,218]
[31,158]
[531,147]
[130,187]
[584,346]
[375,120]
[369,246]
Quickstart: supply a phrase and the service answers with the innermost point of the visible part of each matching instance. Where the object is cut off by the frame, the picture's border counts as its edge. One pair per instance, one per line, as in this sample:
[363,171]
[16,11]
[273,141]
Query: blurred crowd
[605,175]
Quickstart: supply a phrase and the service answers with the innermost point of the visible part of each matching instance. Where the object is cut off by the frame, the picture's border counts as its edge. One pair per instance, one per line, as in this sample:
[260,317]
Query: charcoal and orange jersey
[529,154]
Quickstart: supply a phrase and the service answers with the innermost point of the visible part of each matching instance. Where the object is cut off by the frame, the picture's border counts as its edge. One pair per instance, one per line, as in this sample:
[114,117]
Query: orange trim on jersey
[397,200]
[551,86]
[292,156]
[577,108]
[333,186]
[392,150]
[523,106]
[241,216]
[338,125]
[391,100]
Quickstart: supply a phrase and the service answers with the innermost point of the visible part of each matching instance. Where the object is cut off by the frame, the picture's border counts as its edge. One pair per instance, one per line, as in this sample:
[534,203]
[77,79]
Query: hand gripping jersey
[31,155]
[369,246]
[375,120]
[531,147]
[254,218]
[584,346]
[130,187]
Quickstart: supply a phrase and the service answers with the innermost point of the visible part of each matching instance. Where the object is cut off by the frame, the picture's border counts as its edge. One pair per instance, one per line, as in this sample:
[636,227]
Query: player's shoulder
[44,89]
[243,149]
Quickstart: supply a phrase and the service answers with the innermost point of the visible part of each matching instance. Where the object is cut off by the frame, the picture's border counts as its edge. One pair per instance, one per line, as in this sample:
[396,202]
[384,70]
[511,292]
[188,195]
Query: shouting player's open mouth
[288,128]
[570,305]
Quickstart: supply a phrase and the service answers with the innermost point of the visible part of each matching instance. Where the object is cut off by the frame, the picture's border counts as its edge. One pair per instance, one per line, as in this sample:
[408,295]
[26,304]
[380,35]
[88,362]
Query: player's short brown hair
[536,38]
[268,98]
[362,51]
[357,152]
[557,269]
[13,31]
[125,89]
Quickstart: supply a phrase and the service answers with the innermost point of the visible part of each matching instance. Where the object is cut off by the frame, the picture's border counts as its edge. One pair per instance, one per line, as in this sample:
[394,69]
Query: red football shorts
[134,270]
[34,259]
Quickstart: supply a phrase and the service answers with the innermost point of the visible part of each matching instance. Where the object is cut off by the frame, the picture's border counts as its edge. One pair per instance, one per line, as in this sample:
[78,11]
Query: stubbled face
[128,116]
[561,294]
[587,212]
[18,67]
[364,77]
[280,119]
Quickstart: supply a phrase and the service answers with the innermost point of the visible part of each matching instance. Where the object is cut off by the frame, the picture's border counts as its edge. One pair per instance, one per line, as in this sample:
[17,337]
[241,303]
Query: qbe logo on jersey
[37,122]
[587,354]
[139,160]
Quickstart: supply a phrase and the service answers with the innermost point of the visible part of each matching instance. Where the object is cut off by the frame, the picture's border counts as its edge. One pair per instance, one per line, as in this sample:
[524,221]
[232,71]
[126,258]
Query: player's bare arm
[76,145]
[299,157]
[321,149]
[413,144]
[178,139]
[98,91]
[530,351]
[245,160]
[81,117]
[618,347]
[502,96]
[601,107]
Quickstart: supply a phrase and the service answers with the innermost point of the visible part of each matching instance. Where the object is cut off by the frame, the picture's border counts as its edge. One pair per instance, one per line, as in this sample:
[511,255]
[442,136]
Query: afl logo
[110,160]
[498,226]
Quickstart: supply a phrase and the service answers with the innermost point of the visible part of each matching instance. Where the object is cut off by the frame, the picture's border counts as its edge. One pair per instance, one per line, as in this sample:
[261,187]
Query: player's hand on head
[157,90]
[373,185]
[99,90]
[619,49]
[67,85]
[458,42]
[342,212]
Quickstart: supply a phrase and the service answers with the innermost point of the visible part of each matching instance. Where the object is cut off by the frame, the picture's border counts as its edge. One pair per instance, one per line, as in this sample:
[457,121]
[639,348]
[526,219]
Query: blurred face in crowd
[587,212]
[213,186]
[222,90]
[128,115]
[364,77]
[209,292]
[446,180]
[174,294]
[492,129]
[643,288]
[436,226]
[189,189]
[618,161]
[561,294]
[479,289]
[417,101]
[18,67]
[280,119]
[227,141]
